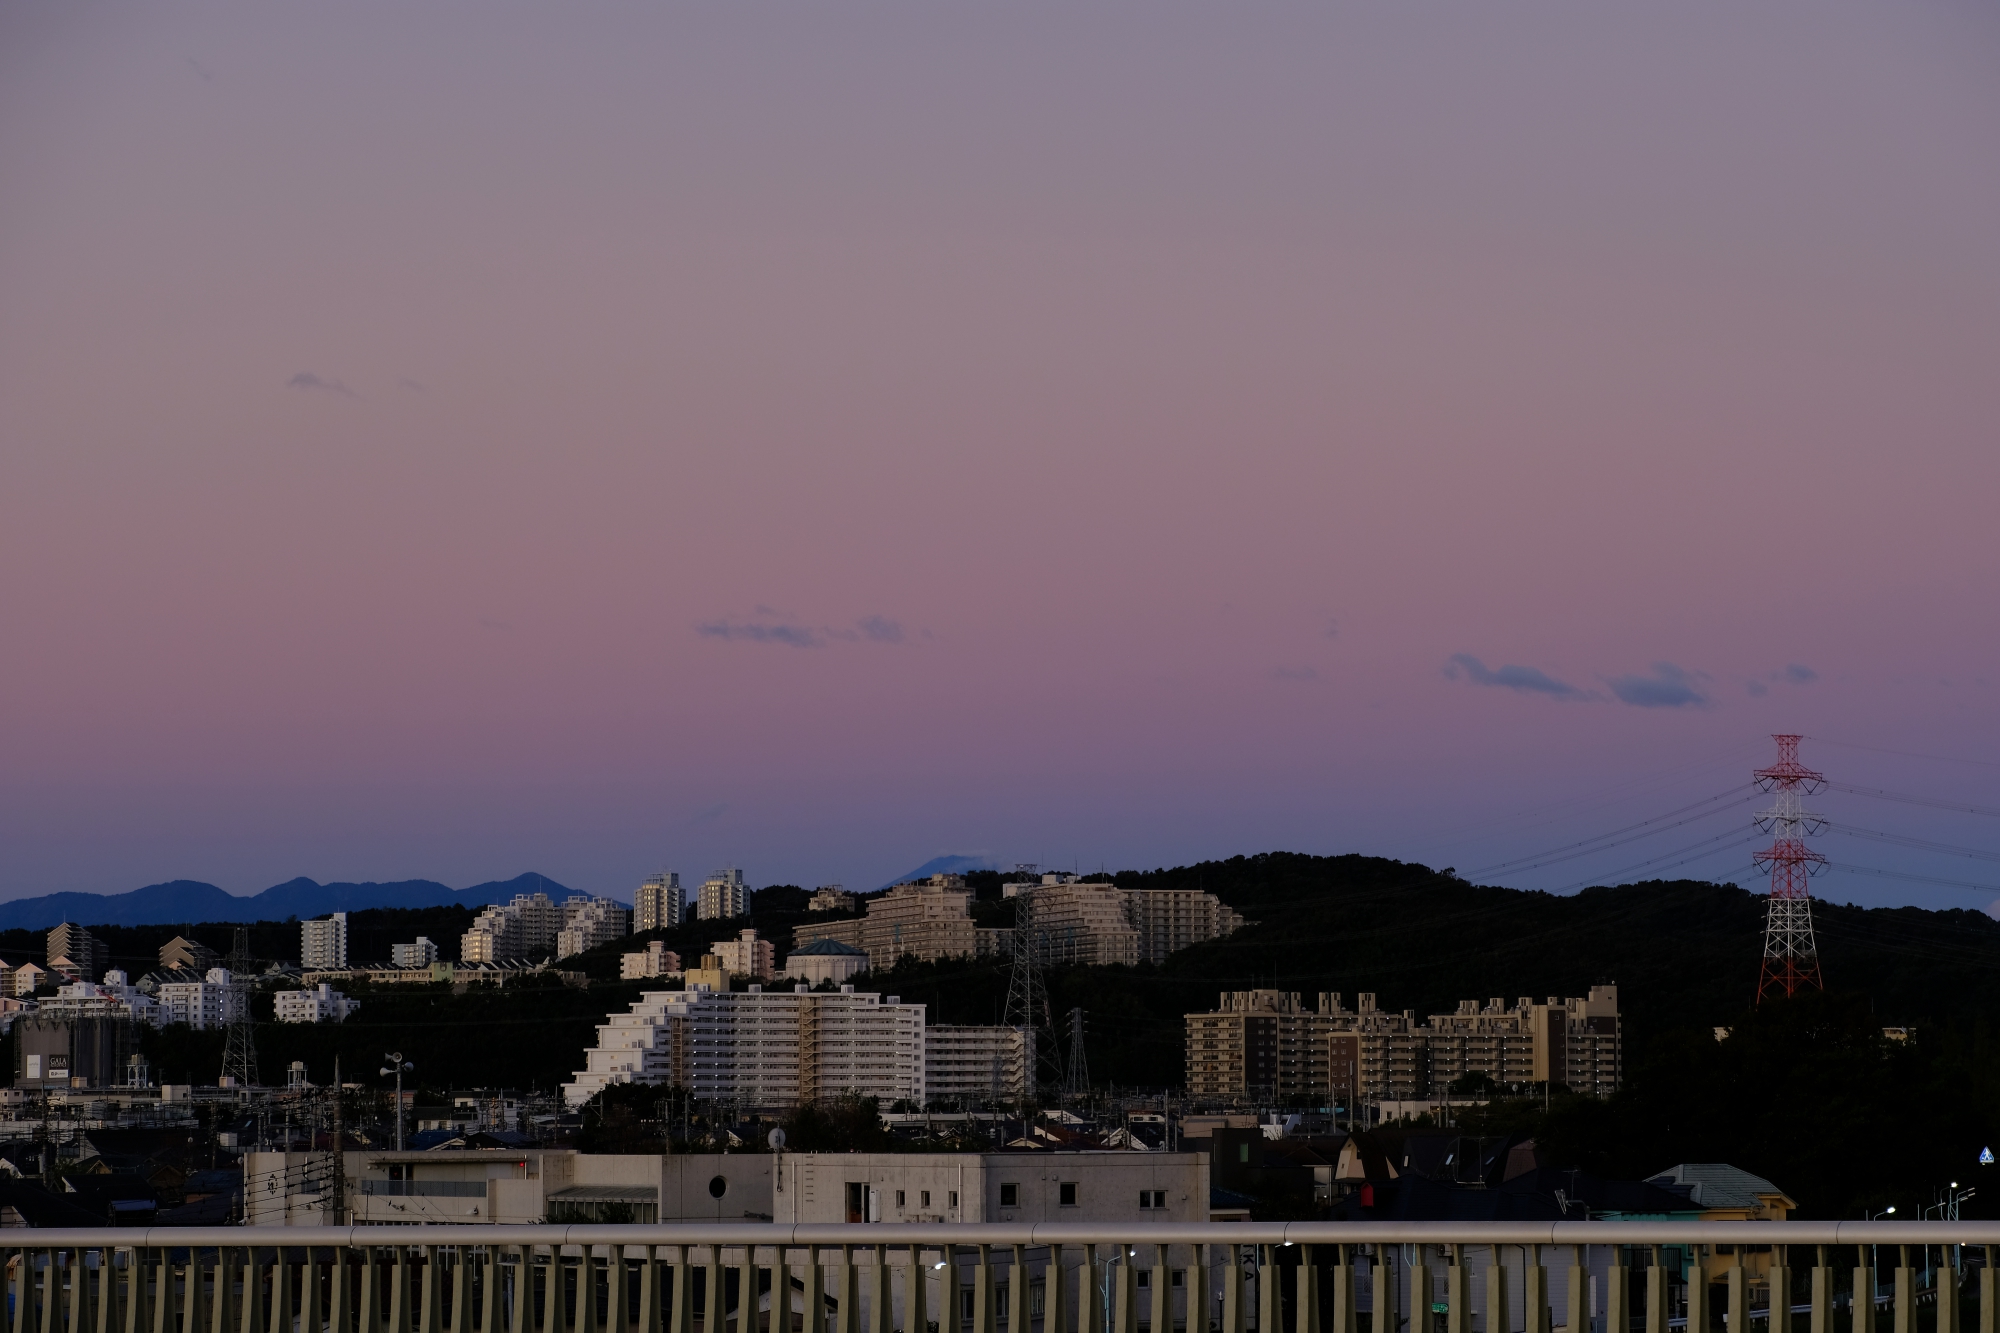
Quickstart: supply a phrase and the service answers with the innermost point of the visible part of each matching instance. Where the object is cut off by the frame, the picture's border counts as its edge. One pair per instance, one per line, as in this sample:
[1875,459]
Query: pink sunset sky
[451,440]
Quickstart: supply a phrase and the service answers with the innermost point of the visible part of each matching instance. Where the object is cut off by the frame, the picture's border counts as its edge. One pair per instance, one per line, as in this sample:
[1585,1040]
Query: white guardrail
[1298,1277]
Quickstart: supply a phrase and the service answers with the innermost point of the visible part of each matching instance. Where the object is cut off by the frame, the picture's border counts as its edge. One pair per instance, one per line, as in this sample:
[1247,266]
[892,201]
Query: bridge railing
[1565,1277]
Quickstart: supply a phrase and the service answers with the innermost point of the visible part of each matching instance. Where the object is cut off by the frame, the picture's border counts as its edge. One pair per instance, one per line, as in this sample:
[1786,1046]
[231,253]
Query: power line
[1645,828]
[1920,879]
[1907,754]
[1957,807]
[1921,844]
[1737,838]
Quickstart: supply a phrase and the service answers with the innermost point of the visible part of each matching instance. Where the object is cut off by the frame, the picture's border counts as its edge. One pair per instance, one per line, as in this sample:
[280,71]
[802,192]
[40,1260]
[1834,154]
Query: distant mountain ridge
[947,865]
[191,900]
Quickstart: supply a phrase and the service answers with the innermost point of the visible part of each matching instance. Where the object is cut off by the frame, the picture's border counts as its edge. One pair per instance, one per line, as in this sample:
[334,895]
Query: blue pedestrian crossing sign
[1986,1157]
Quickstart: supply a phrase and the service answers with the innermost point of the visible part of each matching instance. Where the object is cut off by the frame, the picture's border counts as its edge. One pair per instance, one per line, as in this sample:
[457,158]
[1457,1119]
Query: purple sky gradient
[439,440]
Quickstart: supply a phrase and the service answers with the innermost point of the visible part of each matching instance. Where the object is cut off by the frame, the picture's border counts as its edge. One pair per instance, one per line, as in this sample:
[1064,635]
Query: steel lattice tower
[239,1055]
[1076,1077]
[1791,958]
[1028,1000]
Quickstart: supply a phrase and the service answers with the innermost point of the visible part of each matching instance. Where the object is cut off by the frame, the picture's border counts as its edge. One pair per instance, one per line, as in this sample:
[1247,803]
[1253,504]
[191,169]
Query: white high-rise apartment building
[212,1002]
[768,1048]
[747,956]
[420,954]
[524,928]
[589,922]
[323,947]
[660,904]
[322,1004]
[723,895]
[974,1065]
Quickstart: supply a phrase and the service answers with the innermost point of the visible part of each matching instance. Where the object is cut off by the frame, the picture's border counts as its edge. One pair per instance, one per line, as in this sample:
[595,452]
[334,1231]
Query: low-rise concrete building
[510,1185]
[825,961]
[1085,1187]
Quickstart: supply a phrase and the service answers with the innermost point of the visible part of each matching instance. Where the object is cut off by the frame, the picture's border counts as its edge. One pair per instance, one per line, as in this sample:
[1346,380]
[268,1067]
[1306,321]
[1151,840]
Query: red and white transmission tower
[1791,959]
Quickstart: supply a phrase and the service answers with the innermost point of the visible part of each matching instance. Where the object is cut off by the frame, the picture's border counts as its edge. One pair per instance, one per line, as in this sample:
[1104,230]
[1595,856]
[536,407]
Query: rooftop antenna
[1791,957]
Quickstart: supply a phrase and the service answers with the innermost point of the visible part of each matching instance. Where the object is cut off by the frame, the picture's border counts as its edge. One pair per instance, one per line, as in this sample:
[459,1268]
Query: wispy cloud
[1520,679]
[1791,675]
[305,379]
[1294,673]
[751,631]
[1668,687]
[411,386]
[766,625]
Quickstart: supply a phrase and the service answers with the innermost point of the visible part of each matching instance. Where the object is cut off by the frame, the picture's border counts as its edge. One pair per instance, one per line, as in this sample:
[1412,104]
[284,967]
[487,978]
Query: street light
[397,1064]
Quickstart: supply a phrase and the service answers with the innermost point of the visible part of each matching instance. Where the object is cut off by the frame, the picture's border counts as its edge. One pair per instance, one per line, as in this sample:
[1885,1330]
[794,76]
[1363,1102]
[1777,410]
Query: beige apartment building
[930,920]
[1266,1045]
[1094,921]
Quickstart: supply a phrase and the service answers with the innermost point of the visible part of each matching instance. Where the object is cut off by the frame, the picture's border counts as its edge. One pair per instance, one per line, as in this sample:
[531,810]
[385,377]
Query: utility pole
[339,1153]
[397,1064]
[1791,958]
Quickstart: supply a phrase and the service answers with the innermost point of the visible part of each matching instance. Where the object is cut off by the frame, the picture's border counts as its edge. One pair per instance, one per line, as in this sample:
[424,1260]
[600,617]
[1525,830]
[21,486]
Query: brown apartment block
[1264,1044]
[1074,922]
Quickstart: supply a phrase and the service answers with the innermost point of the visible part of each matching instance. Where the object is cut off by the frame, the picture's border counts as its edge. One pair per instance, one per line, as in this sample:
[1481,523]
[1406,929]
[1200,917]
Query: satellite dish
[776,1138]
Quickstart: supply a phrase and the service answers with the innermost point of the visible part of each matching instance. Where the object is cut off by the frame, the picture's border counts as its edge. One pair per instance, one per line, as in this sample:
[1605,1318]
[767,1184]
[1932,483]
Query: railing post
[916,1310]
[982,1294]
[712,1296]
[1989,1292]
[1577,1302]
[1499,1313]
[844,1320]
[1862,1306]
[1420,1292]
[1340,1299]
[1020,1319]
[881,1316]
[680,1318]
[1457,1293]
[1617,1293]
[339,1292]
[815,1293]
[1906,1296]
[1739,1294]
[1234,1317]
[368,1304]
[1821,1319]
[1656,1294]
[1307,1319]
[1778,1303]
[1161,1316]
[1535,1291]
[1947,1293]
[584,1319]
[79,1293]
[309,1298]
[1194,1291]
[1125,1296]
